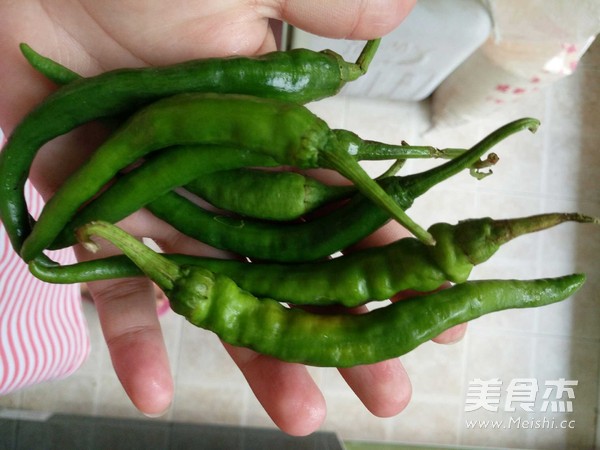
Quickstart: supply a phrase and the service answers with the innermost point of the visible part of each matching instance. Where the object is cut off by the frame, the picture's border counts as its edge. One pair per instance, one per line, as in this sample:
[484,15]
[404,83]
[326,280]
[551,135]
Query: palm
[140,32]
[91,36]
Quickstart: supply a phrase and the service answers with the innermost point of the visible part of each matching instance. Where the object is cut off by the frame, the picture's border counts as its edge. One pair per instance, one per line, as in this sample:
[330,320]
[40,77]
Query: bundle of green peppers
[211,127]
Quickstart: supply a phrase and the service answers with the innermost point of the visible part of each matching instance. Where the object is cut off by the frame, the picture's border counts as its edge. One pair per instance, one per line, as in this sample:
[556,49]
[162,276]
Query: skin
[90,37]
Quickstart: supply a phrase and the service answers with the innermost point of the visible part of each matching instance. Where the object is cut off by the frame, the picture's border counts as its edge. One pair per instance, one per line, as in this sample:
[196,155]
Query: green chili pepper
[287,132]
[216,303]
[267,195]
[286,196]
[381,272]
[219,191]
[367,150]
[372,274]
[297,75]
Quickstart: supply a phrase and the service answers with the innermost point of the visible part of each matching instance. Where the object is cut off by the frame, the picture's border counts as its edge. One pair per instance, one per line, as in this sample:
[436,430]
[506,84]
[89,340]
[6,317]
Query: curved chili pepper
[287,132]
[216,303]
[297,75]
[54,71]
[286,196]
[372,274]
[296,205]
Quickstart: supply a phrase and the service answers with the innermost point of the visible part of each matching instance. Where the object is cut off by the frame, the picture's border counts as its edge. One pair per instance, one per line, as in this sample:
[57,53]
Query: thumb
[348,19]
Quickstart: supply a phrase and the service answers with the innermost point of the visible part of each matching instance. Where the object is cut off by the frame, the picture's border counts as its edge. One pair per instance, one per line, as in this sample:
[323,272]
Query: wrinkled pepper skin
[214,302]
[279,196]
[350,280]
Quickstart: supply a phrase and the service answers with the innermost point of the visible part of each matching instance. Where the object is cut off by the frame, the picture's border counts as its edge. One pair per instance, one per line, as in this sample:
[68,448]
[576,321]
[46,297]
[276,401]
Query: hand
[90,37]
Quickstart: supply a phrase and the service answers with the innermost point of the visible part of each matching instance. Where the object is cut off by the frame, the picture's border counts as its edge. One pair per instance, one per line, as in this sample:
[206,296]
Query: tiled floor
[555,169]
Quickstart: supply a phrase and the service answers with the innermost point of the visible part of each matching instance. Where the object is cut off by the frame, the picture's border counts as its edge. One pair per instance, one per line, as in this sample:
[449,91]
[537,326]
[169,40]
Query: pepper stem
[352,71]
[158,268]
[368,53]
[508,229]
[393,169]
[421,182]
[479,239]
[368,150]
[348,167]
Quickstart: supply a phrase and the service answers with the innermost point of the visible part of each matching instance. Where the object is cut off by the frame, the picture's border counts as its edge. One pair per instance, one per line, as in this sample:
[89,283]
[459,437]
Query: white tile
[573,360]
[387,122]
[348,417]
[331,110]
[202,403]
[74,395]
[427,422]
[436,371]
[496,354]
[202,358]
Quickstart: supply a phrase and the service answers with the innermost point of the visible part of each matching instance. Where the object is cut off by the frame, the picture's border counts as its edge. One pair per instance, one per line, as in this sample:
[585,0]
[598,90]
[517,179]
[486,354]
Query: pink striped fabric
[43,333]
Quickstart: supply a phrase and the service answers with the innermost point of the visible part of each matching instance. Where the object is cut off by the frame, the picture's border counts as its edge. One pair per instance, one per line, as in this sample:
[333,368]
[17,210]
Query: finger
[387,234]
[356,19]
[58,159]
[452,335]
[384,388]
[127,312]
[286,391]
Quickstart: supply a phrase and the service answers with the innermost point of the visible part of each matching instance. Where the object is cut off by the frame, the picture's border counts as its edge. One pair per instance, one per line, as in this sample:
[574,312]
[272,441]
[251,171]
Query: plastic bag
[534,43]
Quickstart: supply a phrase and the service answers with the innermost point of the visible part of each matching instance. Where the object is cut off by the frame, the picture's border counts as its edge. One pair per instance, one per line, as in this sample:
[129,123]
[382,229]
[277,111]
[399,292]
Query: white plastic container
[418,55]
